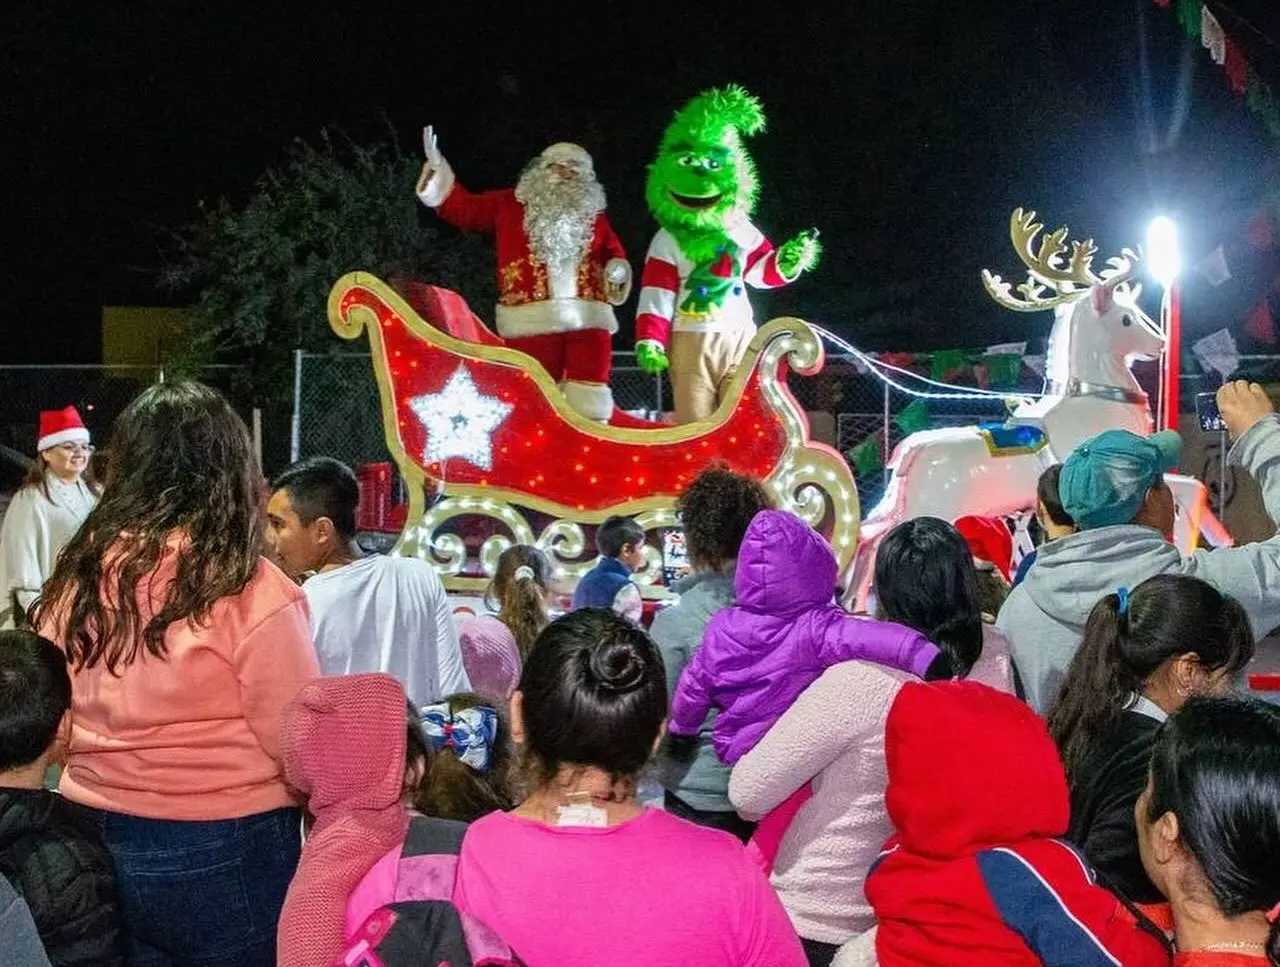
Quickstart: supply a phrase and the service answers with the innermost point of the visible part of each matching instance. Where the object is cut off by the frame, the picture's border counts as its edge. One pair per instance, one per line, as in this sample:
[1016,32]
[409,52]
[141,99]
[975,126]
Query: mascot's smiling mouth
[688,201]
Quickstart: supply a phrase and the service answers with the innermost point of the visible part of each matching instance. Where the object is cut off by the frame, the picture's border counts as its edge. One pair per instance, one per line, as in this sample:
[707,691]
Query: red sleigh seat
[449,312]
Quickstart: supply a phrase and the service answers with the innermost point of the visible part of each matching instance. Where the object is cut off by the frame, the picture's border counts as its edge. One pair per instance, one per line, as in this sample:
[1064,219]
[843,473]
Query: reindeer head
[1067,282]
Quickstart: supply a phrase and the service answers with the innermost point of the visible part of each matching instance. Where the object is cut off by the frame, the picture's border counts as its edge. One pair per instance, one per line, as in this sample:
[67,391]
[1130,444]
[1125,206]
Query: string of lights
[880,370]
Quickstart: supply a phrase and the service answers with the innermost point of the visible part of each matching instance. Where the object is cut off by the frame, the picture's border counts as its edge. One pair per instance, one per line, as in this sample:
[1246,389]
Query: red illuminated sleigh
[483,429]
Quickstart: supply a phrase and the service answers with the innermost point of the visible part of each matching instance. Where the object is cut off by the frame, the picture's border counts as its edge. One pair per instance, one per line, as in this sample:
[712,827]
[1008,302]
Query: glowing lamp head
[1163,258]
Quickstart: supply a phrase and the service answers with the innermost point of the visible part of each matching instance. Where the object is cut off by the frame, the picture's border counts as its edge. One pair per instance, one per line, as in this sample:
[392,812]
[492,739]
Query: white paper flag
[1007,349]
[1217,351]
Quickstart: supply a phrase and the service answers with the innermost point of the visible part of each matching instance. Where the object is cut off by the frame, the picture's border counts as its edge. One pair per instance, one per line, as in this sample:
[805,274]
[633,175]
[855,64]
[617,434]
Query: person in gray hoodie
[1113,487]
[715,509]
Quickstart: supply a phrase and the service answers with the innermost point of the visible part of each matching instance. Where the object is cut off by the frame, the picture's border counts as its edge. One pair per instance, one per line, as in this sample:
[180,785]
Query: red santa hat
[989,542]
[61,426]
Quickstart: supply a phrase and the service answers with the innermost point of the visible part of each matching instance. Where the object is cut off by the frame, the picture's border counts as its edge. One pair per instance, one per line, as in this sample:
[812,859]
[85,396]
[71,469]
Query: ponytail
[519,586]
[1097,686]
[1128,637]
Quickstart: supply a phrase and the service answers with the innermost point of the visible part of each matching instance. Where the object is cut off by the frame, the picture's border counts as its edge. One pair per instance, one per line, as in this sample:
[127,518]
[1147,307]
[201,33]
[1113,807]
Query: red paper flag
[1260,324]
[1237,67]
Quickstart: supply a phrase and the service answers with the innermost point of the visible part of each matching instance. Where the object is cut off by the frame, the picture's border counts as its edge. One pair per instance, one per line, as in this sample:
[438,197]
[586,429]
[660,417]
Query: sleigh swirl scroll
[485,431]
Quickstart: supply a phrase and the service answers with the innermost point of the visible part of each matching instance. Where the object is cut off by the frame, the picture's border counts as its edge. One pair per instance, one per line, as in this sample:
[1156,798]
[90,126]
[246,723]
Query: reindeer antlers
[1048,271]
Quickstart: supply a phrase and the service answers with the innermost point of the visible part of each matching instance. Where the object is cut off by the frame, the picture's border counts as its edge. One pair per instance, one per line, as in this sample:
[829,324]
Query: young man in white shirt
[374,613]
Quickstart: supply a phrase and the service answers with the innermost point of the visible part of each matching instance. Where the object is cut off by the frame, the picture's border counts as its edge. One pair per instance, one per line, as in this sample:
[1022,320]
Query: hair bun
[617,666]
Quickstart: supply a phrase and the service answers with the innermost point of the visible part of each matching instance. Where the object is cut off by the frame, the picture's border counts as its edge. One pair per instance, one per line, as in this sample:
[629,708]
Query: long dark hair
[182,479]
[520,603]
[925,579]
[594,693]
[1166,616]
[1216,766]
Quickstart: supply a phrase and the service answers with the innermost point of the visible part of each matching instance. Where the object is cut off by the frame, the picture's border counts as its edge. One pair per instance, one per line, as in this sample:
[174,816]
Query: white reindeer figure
[1098,331]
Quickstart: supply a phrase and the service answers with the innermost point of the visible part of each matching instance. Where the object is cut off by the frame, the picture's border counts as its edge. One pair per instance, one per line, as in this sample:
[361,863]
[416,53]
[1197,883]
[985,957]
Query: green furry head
[703,174]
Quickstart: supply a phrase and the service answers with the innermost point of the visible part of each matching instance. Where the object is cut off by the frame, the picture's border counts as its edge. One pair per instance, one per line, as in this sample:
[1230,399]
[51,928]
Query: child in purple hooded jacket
[782,633]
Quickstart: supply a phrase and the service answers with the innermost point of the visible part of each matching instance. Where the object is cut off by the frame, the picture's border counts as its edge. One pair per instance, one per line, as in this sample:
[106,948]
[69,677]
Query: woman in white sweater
[54,501]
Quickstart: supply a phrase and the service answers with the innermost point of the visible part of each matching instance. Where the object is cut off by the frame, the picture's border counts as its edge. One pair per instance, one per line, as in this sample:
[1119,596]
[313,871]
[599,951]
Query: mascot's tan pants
[702,365]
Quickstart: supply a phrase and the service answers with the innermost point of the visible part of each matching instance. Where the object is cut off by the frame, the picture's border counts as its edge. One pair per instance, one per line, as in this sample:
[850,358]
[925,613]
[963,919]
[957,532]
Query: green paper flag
[914,418]
[1189,16]
[1003,369]
[865,457]
[946,361]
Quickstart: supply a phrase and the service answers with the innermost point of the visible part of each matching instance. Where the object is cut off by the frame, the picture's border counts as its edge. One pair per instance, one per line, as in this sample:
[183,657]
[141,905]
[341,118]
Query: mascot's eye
[713,164]
[1127,320]
[687,160]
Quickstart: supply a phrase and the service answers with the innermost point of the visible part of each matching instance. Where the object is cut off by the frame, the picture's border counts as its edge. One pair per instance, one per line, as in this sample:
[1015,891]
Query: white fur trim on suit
[434,186]
[554,315]
[75,434]
[618,290]
[594,400]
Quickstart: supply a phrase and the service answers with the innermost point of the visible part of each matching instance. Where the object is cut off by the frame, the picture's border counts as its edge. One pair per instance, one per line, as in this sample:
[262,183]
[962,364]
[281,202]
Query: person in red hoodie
[977,873]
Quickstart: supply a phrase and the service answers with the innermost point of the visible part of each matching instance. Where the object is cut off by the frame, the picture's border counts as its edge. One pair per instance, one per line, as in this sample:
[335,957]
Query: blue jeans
[202,894]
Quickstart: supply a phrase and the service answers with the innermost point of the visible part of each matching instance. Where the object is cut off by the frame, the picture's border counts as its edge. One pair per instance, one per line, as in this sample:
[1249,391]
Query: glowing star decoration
[460,422]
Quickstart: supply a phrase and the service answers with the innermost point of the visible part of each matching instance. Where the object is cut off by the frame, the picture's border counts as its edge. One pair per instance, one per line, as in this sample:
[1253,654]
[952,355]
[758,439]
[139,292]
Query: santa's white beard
[559,216]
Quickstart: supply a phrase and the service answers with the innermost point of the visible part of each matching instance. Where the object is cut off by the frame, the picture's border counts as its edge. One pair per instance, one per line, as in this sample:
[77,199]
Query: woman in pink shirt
[582,874]
[185,646]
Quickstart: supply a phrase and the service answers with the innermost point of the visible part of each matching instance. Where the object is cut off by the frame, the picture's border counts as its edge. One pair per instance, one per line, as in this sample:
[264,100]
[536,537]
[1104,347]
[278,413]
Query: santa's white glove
[436,180]
[431,147]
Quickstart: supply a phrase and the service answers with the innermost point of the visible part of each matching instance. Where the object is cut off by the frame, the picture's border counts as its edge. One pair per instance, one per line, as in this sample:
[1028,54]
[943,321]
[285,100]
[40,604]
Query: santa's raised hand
[433,183]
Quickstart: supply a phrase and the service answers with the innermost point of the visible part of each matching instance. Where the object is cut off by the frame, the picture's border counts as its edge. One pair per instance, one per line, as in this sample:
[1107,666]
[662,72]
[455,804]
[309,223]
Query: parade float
[493,454]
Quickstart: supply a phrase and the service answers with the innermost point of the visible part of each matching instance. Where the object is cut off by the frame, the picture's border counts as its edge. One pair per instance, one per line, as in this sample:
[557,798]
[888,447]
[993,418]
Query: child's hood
[970,768]
[785,567]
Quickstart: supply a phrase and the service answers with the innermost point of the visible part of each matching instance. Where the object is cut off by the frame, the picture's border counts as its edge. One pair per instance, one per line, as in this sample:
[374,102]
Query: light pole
[1165,263]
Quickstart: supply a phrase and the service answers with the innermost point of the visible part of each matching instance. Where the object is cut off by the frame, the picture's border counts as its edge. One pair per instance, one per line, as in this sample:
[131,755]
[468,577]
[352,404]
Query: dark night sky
[905,130]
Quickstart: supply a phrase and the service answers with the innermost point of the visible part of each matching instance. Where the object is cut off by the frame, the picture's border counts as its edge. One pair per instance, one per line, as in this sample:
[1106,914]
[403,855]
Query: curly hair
[182,479]
[715,511]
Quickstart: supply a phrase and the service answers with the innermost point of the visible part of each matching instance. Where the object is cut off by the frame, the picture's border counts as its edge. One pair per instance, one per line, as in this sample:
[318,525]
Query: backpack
[422,927]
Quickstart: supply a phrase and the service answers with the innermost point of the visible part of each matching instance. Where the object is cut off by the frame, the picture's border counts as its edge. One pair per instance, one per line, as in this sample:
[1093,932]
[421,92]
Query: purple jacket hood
[784,631]
[785,567]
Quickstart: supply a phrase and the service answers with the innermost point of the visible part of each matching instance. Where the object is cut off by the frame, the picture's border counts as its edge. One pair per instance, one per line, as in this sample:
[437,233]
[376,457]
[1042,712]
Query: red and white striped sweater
[668,302]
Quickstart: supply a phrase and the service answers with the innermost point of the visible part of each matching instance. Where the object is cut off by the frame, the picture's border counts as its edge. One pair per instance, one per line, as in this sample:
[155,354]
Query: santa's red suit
[561,317]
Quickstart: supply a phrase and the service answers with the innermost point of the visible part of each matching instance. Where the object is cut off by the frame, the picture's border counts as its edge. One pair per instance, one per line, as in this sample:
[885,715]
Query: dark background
[905,130]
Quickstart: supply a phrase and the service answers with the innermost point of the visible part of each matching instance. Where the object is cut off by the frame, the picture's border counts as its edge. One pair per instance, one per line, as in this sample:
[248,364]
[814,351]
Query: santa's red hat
[61,426]
[989,540]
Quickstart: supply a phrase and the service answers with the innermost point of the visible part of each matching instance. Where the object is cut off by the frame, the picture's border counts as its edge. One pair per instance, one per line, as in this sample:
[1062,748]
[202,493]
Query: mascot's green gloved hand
[651,356]
[800,254]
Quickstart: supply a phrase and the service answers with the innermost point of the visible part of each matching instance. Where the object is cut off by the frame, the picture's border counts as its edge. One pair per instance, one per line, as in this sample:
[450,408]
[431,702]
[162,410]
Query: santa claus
[561,268]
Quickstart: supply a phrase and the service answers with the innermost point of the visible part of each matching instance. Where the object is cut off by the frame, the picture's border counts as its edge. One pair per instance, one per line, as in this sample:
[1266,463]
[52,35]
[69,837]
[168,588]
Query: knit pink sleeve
[819,728]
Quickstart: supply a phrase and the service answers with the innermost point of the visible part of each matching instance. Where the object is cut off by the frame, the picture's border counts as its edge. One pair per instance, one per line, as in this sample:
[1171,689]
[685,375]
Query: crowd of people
[229,736]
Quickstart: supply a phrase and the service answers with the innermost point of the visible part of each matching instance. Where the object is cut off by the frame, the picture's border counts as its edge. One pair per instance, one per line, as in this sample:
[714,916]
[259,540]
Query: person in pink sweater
[185,646]
[832,743]
[580,873]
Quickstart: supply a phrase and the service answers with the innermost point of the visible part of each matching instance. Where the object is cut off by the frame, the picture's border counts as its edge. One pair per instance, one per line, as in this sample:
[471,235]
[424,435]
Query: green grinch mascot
[693,302]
